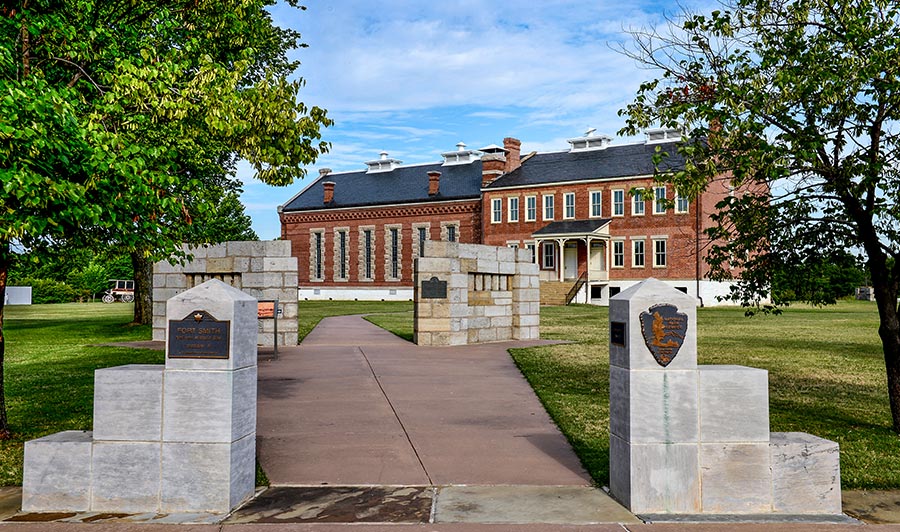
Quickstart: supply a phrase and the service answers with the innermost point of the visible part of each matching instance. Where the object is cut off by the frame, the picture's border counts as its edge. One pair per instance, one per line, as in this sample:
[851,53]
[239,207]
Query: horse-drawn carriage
[119,289]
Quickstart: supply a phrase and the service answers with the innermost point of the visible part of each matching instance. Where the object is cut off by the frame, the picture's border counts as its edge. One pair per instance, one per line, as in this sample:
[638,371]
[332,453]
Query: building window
[596,204]
[618,201]
[423,236]
[548,207]
[659,253]
[681,204]
[317,244]
[637,257]
[618,253]
[340,259]
[530,208]
[569,204]
[530,247]
[451,233]
[549,253]
[367,252]
[395,253]
[637,202]
[496,210]
[513,206]
[659,205]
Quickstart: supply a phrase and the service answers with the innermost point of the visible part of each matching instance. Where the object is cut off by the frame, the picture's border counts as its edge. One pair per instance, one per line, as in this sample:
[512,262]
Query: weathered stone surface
[128,402]
[735,478]
[220,265]
[734,404]
[209,406]
[57,475]
[654,406]
[125,477]
[806,474]
[656,477]
[207,477]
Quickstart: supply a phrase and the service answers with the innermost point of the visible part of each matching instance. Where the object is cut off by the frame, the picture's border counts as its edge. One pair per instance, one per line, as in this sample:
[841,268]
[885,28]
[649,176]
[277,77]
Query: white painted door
[570,262]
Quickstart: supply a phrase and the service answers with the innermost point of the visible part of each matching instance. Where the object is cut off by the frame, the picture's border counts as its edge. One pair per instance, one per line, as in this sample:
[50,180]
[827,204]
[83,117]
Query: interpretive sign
[266,310]
[617,332]
[199,335]
[434,288]
[664,329]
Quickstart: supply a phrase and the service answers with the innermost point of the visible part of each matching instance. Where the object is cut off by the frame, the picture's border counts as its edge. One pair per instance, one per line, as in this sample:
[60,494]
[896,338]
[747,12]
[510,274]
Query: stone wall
[470,293]
[265,270]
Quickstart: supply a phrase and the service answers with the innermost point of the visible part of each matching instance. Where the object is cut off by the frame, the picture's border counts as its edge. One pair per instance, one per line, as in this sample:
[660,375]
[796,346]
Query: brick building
[356,233]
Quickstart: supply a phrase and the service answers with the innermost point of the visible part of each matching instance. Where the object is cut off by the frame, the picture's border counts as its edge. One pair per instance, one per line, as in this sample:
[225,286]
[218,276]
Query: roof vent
[460,156]
[589,141]
[662,135]
[383,164]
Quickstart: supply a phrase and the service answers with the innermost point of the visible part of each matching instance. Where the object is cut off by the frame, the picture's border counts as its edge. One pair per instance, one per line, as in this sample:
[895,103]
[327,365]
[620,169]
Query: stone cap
[657,288]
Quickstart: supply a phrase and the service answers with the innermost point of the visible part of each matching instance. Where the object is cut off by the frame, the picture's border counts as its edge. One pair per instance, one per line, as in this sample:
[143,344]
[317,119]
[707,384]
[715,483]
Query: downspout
[697,244]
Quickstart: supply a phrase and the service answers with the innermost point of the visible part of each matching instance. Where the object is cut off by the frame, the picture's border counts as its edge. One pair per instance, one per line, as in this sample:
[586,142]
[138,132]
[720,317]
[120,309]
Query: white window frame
[551,212]
[656,253]
[530,208]
[569,206]
[635,244]
[512,206]
[548,260]
[596,203]
[620,243]
[638,203]
[659,207]
[682,205]
[618,204]
[496,210]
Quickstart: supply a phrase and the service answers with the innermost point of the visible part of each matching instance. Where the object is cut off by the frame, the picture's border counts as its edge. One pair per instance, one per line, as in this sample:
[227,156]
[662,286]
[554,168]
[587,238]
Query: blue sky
[414,78]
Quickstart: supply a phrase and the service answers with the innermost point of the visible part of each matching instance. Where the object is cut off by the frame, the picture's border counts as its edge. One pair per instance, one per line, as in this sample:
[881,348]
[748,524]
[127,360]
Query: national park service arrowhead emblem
[664,329]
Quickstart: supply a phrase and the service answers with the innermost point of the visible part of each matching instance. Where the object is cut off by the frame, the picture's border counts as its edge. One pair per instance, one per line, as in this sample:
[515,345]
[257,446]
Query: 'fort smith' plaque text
[199,335]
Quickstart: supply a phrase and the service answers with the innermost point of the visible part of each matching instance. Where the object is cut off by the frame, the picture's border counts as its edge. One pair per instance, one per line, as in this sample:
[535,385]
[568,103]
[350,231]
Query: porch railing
[576,288]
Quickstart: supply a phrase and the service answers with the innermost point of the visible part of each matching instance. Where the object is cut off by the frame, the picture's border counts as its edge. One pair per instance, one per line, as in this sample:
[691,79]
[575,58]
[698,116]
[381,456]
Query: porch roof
[597,227]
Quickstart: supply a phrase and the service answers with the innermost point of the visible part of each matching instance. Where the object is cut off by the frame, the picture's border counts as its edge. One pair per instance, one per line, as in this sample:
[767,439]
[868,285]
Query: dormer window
[589,141]
[383,164]
[460,156]
[662,135]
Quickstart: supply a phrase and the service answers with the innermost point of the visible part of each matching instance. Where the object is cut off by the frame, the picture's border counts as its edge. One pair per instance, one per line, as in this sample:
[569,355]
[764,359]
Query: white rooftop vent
[460,156]
[493,148]
[589,141]
[662,135]
[383,164]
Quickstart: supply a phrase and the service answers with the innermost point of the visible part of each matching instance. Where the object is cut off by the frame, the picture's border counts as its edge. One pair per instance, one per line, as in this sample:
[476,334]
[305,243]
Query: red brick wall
[296,227]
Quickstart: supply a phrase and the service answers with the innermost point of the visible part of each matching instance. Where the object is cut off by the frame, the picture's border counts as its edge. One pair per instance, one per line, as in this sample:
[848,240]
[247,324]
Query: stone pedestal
[167,439]
[689,439]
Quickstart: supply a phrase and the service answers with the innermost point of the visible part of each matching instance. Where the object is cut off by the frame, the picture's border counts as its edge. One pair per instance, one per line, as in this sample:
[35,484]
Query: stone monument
[689,439]
[179,438]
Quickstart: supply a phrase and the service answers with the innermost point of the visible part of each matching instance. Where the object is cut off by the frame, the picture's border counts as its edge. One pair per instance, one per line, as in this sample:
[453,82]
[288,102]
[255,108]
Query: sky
[414,78]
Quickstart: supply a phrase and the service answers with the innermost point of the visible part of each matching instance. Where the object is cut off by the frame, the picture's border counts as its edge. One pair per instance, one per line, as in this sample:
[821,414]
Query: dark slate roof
[609,163]
[406,184]
[572,227]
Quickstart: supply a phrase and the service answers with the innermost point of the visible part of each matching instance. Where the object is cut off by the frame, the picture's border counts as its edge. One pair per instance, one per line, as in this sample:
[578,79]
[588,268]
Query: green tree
[110,111]
[798,103]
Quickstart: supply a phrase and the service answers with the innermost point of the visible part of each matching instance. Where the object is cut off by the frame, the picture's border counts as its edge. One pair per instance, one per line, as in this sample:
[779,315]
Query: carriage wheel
[128,298]
[108,298]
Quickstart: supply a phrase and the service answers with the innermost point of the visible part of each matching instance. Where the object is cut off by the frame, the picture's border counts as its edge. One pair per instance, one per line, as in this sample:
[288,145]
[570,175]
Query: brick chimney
[492,165]
[329,191]
[434,182]
[513,148]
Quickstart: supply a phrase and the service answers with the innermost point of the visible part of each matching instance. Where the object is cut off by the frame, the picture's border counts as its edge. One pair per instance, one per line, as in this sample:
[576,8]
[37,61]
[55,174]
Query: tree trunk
[4,270]
[143,288]
[889,331]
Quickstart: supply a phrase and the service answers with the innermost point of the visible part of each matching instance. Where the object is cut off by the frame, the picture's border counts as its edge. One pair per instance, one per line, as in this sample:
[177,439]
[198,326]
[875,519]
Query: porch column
[587,272]
[560,261]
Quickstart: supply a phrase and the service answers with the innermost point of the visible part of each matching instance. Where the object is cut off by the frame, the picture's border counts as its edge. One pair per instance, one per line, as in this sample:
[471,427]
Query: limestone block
[526,320]
[458,279]
[290,338]
[653,406]
[257,264]
[529,269]
[468,251]
[523,255]
[159,279]
[487,266]
[254,280]
[267,339]
[220,265]
[280,264]
[627,306]
[239,248]
[195,266]
[276,248]
[164,294]
[207,477]
[433,324]
[164,266]
[159,322]
[198,252]
[735,478]
[506,254]
[438,248]
[241,264]
[209,406]
[526,333]
[458,338]
[286,325]
[128,402]
[506,268]
[215,251]
[289,310]
[486,253]
[273,280]
[468,265]
[502,322]
[224,303]
[176,280]
[125,477]
[806,474]
[498,310]
[57,474]
[291,280]
[656,477]
[734,404]
[159,334]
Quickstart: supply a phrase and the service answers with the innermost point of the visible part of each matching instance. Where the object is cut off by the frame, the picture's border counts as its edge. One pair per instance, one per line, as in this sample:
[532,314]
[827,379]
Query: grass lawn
[49,369]
[826,377]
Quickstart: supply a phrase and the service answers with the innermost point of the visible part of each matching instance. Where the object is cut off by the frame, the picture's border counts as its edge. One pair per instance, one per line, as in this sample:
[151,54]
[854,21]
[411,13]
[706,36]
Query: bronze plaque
[664,329]
[199,335]
[434,288]
[617,333]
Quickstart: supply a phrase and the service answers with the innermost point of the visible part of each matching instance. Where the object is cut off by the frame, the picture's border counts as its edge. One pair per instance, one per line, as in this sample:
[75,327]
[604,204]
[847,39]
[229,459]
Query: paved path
[355,405]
